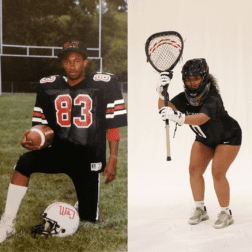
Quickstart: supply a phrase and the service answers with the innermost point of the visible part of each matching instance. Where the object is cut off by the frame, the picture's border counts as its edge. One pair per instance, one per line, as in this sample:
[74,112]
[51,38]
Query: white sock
[14,197]
[200,204]
[225,209]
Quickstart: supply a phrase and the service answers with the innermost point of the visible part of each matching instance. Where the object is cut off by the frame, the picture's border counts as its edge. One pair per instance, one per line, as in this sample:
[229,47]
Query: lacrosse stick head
[164,50]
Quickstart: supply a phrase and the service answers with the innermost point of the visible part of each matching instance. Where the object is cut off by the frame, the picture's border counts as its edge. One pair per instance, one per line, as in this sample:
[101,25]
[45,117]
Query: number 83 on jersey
[63,105]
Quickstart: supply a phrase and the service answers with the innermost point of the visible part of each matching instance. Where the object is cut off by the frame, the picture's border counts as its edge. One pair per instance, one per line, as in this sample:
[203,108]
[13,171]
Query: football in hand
[40,135]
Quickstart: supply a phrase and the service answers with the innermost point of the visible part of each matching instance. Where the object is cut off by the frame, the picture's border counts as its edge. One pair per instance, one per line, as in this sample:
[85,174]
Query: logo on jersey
[96,166]
[102,77]
[50,79]
[226,142]
[191,113]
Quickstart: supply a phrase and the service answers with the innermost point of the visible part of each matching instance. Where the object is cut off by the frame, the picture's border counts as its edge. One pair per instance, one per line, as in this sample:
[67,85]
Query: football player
[82,111]
[218,136]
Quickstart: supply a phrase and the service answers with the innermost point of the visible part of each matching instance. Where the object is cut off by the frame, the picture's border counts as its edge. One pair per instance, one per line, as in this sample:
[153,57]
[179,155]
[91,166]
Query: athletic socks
[225,209]
[14,197]
[200,204]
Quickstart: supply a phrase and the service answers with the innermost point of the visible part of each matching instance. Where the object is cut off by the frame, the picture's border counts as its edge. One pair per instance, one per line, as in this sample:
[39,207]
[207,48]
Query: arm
[110,169]
[197,119]
[38,118]
[116,116]
[161,104]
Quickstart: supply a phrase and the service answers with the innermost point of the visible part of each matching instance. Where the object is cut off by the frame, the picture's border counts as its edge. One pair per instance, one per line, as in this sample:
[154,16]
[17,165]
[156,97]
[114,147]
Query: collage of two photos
[125,126]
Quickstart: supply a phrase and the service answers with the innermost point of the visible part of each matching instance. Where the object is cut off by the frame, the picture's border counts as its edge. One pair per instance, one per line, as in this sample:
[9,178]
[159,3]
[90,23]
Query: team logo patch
[67,211]
[102,77]
[73,44]
[96,166]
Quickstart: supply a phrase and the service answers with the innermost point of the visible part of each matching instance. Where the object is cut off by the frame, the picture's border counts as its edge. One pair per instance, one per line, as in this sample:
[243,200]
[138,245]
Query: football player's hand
[28,144]
[170,114]
[110,170]
[164,79]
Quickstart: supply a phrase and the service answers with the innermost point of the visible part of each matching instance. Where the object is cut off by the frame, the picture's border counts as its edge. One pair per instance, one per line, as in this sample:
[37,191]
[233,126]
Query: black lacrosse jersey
[216,130]
[80,115]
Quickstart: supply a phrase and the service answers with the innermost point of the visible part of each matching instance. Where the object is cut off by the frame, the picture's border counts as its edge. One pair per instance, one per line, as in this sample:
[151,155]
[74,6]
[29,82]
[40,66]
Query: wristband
[113,134]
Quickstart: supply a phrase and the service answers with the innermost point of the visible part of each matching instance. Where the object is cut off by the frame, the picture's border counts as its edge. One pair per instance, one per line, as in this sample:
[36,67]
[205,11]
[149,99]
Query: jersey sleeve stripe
[39,120]
[119,107]
[117,102]
[38,116]
[110,111]
[35,114]
[37,109]
[116,108]
[116,113]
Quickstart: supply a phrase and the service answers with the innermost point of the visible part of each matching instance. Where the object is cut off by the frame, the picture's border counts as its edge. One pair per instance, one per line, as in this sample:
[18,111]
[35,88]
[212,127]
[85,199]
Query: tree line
[51,23]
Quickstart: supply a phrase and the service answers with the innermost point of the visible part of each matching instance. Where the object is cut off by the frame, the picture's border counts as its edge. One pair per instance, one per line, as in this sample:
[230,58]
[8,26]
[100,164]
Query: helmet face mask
[47,228]
[59,220]
[196,67]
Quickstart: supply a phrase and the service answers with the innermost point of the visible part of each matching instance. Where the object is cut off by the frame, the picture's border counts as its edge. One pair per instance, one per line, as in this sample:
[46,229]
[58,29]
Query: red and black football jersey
[216,130]
[80,115]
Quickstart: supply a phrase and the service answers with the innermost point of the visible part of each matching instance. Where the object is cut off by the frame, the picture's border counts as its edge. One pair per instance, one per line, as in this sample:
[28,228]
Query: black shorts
[76,165]
[236,139]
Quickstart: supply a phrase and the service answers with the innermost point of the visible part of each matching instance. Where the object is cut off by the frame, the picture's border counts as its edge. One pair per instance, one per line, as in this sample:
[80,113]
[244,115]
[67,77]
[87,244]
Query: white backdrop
[160,200]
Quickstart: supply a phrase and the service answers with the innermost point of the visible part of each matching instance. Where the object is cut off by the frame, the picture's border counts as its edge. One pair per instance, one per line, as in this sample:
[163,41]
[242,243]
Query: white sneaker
[7,227]
[198,216]
[224,220]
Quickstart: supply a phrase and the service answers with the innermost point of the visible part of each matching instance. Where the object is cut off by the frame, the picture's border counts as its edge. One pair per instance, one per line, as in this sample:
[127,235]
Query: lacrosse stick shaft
[167,127]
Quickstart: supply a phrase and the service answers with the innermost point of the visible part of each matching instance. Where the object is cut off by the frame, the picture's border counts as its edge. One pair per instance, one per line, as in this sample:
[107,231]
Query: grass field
[110,234]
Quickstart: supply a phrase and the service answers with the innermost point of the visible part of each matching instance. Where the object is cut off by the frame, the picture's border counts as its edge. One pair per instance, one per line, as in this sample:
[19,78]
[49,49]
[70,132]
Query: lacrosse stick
[163,51]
